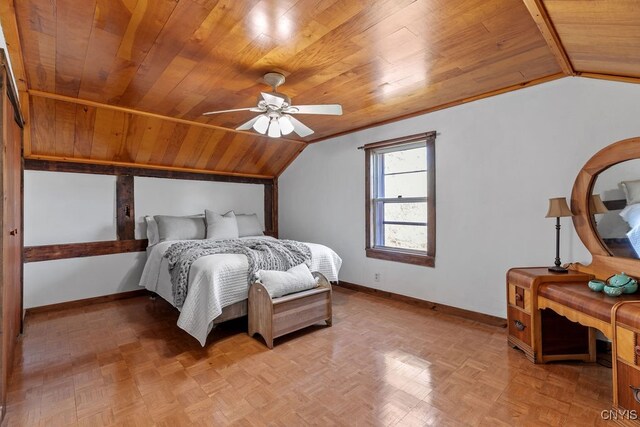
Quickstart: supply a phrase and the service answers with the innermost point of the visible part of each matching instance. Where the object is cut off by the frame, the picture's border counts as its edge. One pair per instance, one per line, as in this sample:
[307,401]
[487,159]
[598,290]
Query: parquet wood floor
[382,363]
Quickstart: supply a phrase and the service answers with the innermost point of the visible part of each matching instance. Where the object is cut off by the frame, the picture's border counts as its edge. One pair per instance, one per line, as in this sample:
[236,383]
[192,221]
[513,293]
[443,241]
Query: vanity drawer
[627,345]
[520,297]
[519,325]
[628,385]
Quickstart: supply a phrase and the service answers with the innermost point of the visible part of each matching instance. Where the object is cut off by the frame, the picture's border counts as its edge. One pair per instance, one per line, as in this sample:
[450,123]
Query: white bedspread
[634,238]
[631,214]
[216,281]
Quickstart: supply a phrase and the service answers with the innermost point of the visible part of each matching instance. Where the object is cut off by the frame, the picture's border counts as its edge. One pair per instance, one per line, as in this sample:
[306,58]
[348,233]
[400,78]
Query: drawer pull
[636,393]
[519,325]
[518,297]
[637,350]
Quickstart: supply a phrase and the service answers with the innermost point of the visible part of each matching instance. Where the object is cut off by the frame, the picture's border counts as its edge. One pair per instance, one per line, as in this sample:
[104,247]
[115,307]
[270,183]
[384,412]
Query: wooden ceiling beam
[541,17]
[64,98]
[57,159]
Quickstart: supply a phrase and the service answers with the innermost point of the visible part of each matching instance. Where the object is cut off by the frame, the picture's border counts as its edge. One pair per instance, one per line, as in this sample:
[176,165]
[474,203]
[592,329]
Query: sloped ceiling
[599,36]
[127,81]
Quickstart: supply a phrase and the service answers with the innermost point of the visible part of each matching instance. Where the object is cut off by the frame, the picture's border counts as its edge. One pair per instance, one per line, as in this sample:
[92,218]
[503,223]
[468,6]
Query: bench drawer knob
[636,393]
[519,325]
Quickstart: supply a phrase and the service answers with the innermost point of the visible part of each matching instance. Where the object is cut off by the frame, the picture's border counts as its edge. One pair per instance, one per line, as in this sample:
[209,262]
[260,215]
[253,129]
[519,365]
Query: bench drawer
[520,297]
[627,345]
[628,385]
[519,325]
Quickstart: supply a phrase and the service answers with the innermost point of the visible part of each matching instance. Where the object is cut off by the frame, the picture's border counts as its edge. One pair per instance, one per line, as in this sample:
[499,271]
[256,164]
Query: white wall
[499,160]
[157,196]
[51,282]
[67,207]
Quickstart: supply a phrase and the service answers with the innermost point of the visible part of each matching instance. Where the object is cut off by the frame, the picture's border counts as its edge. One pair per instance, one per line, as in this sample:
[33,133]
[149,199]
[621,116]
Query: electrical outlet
[376,277]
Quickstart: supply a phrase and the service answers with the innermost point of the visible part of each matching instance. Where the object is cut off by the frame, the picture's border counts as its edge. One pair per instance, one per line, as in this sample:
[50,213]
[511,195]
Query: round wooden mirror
[615,208]
[605,259]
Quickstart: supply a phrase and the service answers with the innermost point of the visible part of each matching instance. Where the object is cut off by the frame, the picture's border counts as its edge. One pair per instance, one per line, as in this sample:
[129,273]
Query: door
[11,231]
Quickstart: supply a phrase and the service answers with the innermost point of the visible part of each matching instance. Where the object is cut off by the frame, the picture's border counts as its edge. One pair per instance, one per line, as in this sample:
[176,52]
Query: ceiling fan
[276,118]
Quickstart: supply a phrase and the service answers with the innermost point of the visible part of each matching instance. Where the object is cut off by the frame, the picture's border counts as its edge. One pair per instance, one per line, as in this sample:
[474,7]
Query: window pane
[405,160]
[405,185]
[405,212]
[405,236]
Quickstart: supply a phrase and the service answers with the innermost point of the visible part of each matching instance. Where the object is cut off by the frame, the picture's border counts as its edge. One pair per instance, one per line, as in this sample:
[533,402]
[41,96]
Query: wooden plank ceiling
[380,59]
[600,36]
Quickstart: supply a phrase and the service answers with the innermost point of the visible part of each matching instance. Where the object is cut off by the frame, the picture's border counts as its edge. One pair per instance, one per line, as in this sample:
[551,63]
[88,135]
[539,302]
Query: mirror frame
[604,263]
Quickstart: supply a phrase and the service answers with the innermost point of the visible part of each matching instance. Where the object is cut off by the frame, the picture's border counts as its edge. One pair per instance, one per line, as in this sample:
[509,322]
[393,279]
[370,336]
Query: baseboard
[85,302]
[440,308]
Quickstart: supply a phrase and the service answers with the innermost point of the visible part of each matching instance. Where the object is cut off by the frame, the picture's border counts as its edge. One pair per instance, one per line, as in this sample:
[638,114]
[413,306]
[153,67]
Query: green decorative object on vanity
[628,284]
[615,285]
[596,285]
[613,291]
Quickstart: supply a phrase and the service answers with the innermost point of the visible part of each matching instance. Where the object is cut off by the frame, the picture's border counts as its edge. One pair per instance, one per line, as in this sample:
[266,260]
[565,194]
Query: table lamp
[596,205]
[558,208]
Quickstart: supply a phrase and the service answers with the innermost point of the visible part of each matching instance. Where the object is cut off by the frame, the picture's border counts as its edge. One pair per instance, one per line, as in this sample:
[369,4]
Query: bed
[218,286]
[631,214]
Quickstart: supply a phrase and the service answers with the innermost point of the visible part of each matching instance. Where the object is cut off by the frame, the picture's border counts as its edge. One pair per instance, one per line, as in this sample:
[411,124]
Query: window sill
[398,255]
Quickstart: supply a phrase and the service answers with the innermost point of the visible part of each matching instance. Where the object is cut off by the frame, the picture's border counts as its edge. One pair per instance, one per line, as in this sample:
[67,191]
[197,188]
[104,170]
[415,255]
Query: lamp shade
[558,207]
[262,124]
[596,206]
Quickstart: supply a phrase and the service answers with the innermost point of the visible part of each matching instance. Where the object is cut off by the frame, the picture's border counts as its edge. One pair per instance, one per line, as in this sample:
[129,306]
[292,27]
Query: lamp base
[558,269]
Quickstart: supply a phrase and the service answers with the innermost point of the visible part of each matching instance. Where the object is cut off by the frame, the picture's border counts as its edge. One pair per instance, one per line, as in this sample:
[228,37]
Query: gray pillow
[180,227]
[152,230]
[631,191]
[221,226]
[248,225]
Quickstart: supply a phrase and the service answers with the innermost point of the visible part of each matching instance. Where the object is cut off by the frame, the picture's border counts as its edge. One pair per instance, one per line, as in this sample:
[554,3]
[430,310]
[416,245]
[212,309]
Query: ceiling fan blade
[229,111]
[272,100]
[329,109]
[299,127]
[248,125]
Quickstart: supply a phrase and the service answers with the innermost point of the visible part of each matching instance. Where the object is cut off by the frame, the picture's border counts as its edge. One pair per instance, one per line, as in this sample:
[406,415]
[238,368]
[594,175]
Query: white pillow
[631,191]
[248,225]
[279,283]
[152,230]
[631,214]
[221,226]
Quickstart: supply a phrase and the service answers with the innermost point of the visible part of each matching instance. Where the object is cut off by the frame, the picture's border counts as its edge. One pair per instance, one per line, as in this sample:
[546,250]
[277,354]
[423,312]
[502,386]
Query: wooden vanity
[626,355]
[554,317]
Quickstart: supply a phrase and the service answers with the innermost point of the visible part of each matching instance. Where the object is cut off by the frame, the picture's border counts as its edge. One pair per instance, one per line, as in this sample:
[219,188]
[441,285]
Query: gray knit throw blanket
[262,254]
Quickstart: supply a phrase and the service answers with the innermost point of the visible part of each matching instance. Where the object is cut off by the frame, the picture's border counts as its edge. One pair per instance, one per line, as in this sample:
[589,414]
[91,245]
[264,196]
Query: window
[400,205]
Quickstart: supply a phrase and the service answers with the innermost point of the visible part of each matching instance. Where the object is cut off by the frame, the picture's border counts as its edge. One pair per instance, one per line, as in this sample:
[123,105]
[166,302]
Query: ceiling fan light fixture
[274,128]
[277,114]
[286,127]
[262,124]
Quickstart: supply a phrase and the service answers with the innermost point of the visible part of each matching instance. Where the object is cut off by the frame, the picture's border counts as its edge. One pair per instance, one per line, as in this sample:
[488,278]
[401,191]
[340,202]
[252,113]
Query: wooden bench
[273,318]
